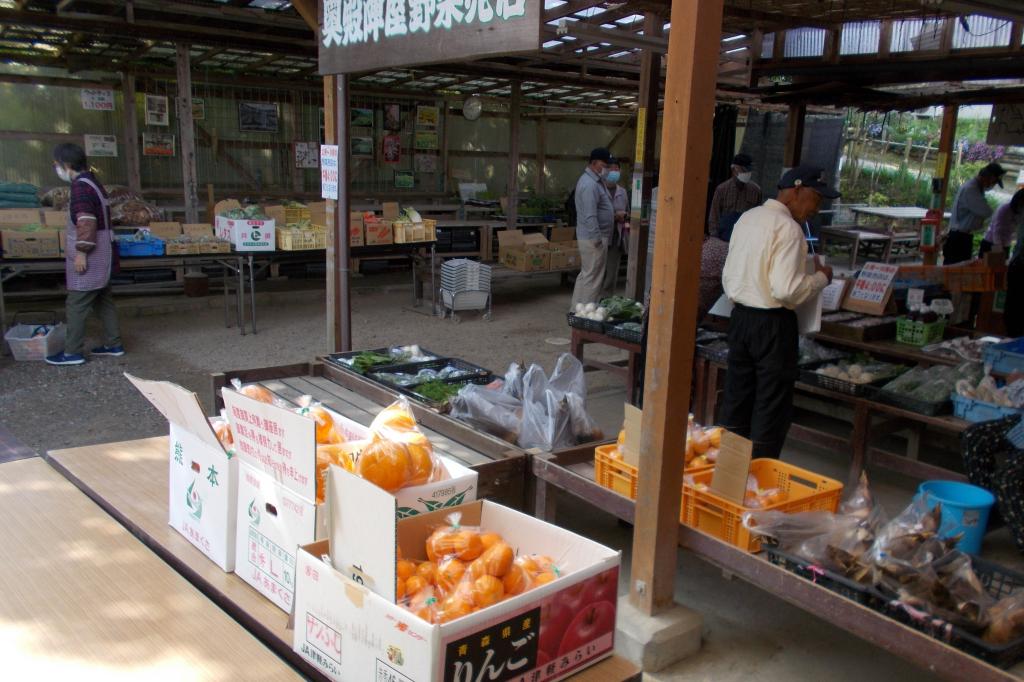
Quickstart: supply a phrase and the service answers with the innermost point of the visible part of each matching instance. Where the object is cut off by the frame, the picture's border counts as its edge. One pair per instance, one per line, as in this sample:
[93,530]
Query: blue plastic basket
[1006,358]
[134,248]
[979,411]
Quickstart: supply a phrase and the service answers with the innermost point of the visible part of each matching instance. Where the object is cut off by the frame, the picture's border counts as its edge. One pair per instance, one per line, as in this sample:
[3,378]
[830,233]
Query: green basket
[915,333]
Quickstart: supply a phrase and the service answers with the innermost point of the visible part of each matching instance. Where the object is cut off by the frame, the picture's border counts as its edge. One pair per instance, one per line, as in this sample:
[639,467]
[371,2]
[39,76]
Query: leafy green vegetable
[368,360]
[437,391]
[622,308]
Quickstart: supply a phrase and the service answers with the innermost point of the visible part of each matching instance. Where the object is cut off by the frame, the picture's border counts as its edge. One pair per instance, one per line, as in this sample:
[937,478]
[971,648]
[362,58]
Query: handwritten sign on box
[872,289]
[275,440]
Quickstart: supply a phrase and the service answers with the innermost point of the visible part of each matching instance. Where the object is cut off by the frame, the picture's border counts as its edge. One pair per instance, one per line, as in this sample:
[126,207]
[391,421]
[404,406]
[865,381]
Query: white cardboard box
[277,448]
[348,629]
[203,478]
[248,235]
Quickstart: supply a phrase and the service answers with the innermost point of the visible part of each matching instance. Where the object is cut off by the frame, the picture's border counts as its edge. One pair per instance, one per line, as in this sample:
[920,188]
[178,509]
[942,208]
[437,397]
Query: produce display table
[710,374]
[899,352]
[628,373]
[233,263]
[572,472]
[84,596]
[130,481]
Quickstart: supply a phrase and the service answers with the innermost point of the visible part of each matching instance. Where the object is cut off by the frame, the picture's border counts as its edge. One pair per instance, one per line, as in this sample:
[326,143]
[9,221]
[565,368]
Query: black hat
[613,161]
[742,160]
[994,170]
[601,154]
[808,176]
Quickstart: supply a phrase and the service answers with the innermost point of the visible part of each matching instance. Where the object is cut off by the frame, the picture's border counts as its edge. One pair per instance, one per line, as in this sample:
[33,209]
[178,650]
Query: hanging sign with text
[365,35]
[329,171]
[96,99]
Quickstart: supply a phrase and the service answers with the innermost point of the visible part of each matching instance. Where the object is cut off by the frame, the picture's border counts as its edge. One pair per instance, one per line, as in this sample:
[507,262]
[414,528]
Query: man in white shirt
[765,276]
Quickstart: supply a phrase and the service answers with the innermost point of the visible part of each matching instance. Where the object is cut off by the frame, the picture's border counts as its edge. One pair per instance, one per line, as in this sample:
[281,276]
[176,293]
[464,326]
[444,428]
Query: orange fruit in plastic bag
[489,539]
[528,563]
[414,584]
[420,454]
[691,452]
[464,544]
[449,573]
[385,464]
[257,392]
[327,455]
[543,578]
[715,436]
[701,442]
[453,607]
[487,590]
[405,569]
[621,440]
[496,560]
[394,417]
[428,571]
[516,581]
[399,589]
[223,431]
[324,425]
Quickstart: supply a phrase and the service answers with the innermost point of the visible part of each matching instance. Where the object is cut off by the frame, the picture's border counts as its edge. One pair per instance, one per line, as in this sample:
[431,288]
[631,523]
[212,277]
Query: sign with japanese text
[95,99]
[307,155]
[508,646]
[871,290]
[366,35]
[275,440]
[101,145]
[329,171]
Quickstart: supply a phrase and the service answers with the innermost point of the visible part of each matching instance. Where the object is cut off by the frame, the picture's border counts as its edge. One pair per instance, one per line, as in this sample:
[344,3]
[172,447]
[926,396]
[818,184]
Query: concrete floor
[748,634]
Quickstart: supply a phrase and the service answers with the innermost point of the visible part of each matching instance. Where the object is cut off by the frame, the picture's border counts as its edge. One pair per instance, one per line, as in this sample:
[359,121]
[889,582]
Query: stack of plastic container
[465,285]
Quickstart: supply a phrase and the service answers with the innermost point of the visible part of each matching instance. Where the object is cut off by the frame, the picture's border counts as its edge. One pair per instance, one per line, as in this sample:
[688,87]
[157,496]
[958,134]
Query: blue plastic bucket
[964,506]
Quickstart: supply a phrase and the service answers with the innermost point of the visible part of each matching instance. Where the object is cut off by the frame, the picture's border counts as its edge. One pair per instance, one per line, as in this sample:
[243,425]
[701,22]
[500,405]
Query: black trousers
[1014,312]
[958,248]
[984,247]
[763,354]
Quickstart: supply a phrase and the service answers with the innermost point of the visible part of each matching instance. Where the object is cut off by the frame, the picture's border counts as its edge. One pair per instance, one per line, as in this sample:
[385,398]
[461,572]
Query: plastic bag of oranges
[757,497]
[254,391]
[398,455]
[222,429]
[327,432]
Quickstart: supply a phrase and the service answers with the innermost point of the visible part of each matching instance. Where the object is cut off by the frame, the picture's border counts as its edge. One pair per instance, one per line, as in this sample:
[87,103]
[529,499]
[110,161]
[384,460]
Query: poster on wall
[362,147]
[405,180]
[425,140]
[426,163]
[157,144]
[307,155]
[426,117]
[95,99]
[100,145]
[198,109]
[392,148]
[392,117]
[258,117]
[329,171]
[361,118]
[157,113]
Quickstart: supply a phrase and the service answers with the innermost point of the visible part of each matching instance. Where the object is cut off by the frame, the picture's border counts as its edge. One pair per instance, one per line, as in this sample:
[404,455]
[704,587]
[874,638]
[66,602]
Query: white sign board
[329,171]
[1007,124]
[307,155]
[915,297]
[832,295]
[94,99]
[872,289]
[100,145]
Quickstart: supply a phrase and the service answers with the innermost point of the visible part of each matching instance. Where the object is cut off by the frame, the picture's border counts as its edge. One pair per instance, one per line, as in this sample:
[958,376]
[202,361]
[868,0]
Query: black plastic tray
[617,332]
[584,323]
[336,359]
[865,595]
[479,376]
[808,375]
[713,354]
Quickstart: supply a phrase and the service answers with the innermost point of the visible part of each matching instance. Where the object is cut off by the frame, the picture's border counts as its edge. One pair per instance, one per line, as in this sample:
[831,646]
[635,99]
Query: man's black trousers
[763,354]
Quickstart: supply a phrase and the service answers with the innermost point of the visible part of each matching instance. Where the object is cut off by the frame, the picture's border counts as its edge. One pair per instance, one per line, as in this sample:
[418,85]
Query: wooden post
[947,135]
[445,136]
[644,158]
[187,133]
[512,213]
[686,154]
[795,134]
[336,131]
[130,136]
[542,177]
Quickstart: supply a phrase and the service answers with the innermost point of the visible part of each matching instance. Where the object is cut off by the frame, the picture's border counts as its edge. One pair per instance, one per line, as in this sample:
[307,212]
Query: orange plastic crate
[616,474]
[716,516]
[974,278]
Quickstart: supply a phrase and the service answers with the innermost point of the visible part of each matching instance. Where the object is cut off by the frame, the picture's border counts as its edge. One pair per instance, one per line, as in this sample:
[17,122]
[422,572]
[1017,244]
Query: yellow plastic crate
[296,214]
[718,517]
[292,239]
[618,475]
[407,233]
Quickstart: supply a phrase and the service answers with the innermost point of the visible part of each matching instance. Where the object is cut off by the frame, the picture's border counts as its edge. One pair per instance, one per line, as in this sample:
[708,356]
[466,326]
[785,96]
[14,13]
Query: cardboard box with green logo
[524,252]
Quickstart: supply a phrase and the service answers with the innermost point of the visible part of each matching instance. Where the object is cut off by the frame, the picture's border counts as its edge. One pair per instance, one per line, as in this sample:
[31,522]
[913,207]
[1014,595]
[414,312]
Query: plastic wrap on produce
[494,412]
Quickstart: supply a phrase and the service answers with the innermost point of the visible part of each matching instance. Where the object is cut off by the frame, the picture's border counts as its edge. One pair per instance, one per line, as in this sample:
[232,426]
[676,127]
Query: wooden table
[129,480]
[628,373]
[83,598]
[572,472]
[855,238]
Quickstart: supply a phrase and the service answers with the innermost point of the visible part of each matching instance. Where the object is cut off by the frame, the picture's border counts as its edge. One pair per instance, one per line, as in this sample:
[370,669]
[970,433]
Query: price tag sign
[915,297]
[872,288]
[329,171]
[832,295]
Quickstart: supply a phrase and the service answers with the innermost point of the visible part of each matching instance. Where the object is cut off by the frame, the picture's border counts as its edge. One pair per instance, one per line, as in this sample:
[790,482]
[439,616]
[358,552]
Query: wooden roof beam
[571,7]
[620,38]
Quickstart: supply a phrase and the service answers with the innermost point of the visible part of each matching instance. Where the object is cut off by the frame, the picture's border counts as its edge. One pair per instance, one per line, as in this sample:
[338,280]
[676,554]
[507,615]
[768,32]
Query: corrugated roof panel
[860,37]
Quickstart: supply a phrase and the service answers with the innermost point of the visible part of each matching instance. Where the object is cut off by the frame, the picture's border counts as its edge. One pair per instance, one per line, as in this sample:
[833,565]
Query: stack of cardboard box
[25,235]
[535,253]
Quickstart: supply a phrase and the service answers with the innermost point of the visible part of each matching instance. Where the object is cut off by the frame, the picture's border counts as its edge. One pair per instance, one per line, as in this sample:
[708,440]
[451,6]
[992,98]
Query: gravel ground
[57,407]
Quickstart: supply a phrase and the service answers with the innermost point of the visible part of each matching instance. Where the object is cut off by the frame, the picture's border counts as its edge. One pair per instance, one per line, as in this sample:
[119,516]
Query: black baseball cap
[994,170]
[601,154]
[743,160]
[808,176]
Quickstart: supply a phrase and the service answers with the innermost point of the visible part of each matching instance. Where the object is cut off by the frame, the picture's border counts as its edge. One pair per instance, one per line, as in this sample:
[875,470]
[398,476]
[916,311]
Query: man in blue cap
[595,222]
[765,276]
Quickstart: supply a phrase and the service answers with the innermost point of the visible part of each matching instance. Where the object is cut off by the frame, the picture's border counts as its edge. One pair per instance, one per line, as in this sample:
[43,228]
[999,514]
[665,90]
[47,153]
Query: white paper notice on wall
[100,145]
[96,99]
[915,297]
[307,155]
[329,171]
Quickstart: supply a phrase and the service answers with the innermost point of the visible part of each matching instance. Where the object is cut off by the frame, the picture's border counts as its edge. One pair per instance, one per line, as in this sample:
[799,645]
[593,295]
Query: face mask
[744,177]
[63,174]
[613,176]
